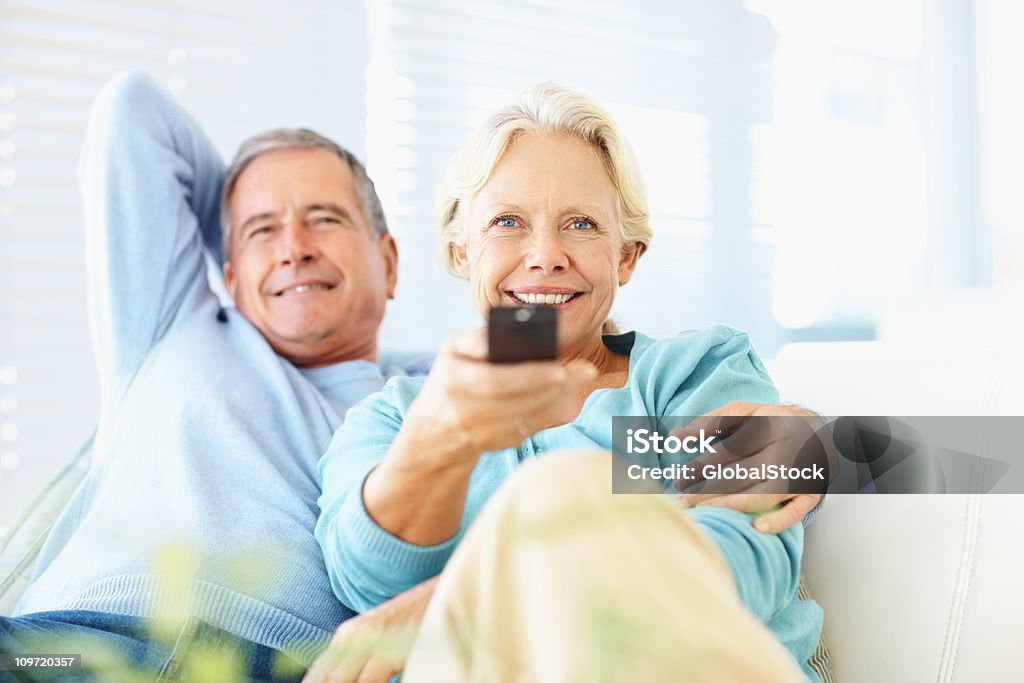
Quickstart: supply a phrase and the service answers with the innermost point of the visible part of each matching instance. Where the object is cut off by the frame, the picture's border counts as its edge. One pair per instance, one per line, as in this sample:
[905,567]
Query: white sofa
[914,587]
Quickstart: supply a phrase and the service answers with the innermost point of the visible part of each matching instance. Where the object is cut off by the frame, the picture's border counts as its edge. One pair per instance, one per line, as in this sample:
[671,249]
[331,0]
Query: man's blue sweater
[201,497]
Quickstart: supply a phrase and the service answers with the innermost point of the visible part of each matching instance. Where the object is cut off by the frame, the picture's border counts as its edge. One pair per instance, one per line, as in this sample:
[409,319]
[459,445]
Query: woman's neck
[595,352]
[612,373]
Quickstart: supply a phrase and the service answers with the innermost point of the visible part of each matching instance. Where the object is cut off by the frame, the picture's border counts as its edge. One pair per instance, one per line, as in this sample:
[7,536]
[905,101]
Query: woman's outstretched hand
[466,407]
[469,406]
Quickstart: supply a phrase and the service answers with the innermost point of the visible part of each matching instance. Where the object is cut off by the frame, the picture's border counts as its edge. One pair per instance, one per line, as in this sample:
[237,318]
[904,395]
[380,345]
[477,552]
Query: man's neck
[367,352]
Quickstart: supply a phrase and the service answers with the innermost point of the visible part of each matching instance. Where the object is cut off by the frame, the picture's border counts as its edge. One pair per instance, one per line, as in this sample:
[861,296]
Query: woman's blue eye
[582,224]
[506,222]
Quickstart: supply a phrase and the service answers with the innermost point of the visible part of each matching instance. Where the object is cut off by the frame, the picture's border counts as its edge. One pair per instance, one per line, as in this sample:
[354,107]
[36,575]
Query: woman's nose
[547,252]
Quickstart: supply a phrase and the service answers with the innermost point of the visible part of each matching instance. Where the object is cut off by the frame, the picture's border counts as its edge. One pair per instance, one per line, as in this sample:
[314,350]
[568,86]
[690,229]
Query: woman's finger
[527,391]
[469,344]
[499,423]
[475,379]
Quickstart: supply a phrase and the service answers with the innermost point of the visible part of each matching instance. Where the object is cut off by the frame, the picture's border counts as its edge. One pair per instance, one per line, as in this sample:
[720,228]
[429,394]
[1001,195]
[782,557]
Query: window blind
[790,147]
[686,80]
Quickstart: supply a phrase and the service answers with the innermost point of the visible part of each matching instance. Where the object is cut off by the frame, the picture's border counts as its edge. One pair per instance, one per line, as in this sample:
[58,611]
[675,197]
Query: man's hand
[374,646]
[742,440]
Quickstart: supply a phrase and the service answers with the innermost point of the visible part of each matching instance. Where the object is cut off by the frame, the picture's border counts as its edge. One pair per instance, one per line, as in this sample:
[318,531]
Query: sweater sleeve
[766,567]
[727,369]
[150,182]
[366,564]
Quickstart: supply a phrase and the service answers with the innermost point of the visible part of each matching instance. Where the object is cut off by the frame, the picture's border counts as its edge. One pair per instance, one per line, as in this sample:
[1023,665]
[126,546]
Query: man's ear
[460,261]
[389,252]
[627,263]
[230,281]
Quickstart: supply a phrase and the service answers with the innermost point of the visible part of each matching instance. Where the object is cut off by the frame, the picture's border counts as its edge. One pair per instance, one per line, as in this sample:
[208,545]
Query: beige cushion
[821,659]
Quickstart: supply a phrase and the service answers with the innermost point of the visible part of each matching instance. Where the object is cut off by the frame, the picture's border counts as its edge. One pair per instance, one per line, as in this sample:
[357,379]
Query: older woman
[555,578]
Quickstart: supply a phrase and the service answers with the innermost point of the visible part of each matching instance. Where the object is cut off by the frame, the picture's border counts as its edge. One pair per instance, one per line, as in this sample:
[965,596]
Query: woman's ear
[460,261]
[627,263]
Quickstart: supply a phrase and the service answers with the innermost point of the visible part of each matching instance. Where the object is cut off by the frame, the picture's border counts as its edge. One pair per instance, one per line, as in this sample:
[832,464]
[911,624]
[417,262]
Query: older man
[200,503]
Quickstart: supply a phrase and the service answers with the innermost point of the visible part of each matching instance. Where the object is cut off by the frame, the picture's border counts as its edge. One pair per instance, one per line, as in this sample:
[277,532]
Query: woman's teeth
[543,298]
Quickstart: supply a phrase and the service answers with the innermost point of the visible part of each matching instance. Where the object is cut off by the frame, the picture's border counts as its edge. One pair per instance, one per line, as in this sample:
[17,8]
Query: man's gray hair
[298,138]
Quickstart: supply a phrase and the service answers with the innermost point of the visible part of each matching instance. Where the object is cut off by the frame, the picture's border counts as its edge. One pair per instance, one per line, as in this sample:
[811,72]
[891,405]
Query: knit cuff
[395,562]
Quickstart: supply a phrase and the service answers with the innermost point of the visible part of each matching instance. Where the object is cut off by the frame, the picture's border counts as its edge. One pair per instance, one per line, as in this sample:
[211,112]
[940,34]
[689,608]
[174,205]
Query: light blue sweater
[689,374]
[208,441]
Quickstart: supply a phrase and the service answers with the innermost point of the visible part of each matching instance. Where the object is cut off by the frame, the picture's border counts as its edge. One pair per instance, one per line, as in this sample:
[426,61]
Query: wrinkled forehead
[549,173]
[282,179]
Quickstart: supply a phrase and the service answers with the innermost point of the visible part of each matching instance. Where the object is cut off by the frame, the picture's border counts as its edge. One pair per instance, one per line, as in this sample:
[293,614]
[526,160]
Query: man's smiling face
[303,265]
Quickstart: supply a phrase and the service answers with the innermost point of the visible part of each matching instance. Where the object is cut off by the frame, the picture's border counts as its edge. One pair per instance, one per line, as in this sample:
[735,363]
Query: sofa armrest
[20,548]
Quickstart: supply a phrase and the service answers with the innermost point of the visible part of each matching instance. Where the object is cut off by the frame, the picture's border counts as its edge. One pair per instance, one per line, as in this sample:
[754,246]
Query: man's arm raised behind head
[150,181]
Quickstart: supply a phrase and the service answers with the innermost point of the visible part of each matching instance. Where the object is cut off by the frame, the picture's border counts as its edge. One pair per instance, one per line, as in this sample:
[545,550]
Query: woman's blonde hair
[543,109]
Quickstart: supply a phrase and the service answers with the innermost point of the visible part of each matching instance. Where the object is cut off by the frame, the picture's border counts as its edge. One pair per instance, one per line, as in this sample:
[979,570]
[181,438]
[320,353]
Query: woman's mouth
[543,298]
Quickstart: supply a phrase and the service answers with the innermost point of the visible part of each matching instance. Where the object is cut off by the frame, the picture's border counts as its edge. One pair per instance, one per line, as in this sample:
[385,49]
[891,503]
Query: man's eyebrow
[343,213]
[254,218]
[332,207]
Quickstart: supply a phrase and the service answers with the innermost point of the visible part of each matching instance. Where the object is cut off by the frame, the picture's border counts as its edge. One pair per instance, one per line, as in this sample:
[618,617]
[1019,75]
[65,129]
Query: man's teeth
[299,289]
[542,298]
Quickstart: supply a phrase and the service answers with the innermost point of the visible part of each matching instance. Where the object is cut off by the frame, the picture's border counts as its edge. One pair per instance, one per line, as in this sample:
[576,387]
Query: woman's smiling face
[545,229]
